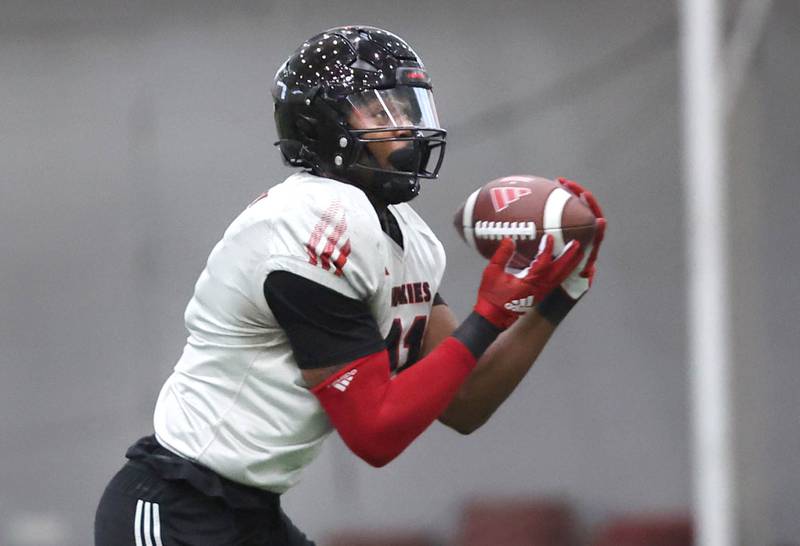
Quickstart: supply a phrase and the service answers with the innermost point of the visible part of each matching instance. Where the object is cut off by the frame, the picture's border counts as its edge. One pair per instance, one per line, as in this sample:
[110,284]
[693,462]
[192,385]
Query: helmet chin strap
[383,188]
[401,188]
[398,189]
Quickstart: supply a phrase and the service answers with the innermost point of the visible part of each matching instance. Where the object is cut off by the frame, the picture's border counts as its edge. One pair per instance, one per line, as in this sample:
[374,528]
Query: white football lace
[498,230]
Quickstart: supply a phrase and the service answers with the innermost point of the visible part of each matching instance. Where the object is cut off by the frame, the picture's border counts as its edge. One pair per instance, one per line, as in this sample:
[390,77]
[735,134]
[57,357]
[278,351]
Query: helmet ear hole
[307,127]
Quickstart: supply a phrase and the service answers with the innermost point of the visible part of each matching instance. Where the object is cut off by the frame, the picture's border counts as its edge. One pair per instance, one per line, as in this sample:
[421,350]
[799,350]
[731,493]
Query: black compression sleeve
[324,327]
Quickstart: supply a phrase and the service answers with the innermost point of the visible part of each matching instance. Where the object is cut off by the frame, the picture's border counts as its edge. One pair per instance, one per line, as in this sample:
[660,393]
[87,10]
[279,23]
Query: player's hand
[579,281]
[500,291]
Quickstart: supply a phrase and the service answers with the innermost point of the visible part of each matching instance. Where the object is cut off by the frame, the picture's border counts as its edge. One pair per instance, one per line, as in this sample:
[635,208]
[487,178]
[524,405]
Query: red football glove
[581,279]
[500,292]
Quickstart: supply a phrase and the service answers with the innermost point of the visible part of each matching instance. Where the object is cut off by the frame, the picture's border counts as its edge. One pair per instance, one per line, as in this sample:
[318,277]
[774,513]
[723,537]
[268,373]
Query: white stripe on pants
[147,524]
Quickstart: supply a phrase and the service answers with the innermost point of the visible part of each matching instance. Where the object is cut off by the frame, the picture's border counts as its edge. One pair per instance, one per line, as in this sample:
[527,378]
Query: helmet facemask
[398,140]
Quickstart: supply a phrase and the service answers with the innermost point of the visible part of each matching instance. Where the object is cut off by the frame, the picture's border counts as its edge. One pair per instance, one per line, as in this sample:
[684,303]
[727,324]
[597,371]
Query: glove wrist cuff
[556,306]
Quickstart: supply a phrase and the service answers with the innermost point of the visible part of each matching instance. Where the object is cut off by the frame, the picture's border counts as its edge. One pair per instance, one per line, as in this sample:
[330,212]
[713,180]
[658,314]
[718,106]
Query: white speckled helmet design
[343,95]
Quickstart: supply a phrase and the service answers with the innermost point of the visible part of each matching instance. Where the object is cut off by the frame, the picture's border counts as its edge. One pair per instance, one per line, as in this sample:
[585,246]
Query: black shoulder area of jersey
[325,328]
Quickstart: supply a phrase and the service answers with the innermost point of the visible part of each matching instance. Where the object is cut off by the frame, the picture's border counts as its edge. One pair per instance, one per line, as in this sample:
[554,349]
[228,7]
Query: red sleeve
[378,416]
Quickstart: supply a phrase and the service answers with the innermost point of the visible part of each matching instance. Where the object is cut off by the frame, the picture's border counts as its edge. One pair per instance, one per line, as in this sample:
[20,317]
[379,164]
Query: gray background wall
[132,133]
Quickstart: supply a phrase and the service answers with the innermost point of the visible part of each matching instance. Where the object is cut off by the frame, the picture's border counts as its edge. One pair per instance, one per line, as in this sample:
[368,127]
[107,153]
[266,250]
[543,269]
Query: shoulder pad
[326,231]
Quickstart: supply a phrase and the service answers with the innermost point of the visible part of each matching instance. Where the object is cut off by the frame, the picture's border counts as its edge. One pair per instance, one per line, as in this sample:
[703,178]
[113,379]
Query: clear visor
[401,106]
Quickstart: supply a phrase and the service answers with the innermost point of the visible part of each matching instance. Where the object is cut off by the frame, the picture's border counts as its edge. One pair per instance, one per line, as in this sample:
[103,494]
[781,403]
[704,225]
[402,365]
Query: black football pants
[139,508]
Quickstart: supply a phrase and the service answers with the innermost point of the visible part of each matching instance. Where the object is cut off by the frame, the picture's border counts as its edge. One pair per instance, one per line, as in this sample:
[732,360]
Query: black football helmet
[351,86]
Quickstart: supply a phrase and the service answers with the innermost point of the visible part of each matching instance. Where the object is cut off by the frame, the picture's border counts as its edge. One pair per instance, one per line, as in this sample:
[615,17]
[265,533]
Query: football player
[320,309]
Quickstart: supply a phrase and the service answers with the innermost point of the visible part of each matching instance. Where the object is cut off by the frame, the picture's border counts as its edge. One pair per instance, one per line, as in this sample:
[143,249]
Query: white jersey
[236,401]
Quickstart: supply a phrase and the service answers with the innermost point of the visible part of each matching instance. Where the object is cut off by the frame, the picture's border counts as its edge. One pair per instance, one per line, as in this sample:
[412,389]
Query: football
[523,207]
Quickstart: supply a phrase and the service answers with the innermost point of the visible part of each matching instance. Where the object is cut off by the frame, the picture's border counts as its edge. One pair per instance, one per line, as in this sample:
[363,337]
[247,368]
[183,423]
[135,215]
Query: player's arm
[497,373]
[378,415]
[508,359]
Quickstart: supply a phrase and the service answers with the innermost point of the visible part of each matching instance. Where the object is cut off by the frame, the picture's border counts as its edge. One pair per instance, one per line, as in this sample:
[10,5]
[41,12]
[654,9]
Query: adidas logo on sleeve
[343,382]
